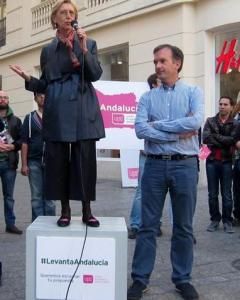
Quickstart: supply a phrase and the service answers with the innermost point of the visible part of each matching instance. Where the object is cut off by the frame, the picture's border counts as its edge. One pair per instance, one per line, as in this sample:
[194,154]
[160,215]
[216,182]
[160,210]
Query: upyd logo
[88,279]
[133,173]
[118,111]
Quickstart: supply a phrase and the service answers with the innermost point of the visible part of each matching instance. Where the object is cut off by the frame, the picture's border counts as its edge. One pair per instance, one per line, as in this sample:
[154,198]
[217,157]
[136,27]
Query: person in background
[135,215]
[218,135]
[10,144]
[32,160]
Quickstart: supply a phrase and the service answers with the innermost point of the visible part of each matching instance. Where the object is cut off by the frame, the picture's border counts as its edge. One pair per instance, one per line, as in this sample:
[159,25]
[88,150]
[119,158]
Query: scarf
[68,41]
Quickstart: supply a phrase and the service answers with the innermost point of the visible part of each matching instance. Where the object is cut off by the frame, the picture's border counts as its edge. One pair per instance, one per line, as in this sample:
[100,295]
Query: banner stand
[53,253]
[129,167]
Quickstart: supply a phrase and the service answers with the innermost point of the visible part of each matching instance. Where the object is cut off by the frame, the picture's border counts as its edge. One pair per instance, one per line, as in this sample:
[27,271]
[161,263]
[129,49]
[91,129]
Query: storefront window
[115,65]
[228,65]
[2,22]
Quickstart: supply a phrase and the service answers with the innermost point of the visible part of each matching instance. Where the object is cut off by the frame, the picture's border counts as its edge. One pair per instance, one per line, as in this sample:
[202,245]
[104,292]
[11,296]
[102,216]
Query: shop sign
[229,57]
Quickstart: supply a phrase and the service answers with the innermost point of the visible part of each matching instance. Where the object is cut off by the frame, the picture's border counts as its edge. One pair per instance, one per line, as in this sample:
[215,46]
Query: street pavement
[215,273]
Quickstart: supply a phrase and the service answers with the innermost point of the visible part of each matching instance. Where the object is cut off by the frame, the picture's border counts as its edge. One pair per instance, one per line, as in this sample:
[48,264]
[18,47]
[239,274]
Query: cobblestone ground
[215,272]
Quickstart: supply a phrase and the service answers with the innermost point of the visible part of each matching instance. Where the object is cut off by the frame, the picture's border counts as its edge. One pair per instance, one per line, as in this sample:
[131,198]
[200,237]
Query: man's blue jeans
[40,206]
[135,215]
[219,172]
[8,177]
[180,178]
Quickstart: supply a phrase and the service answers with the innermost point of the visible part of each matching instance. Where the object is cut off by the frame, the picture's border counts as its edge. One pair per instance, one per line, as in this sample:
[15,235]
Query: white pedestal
[53,253]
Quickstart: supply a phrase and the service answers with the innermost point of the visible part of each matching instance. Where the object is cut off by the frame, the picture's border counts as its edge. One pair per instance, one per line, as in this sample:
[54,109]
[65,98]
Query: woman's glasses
[65,13]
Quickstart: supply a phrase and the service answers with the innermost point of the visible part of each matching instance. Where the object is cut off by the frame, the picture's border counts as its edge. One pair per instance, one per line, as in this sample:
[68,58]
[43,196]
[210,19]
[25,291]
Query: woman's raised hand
[21,72]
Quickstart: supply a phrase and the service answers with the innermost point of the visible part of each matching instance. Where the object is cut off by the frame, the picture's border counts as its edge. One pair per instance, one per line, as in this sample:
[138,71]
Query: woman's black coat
[71,108]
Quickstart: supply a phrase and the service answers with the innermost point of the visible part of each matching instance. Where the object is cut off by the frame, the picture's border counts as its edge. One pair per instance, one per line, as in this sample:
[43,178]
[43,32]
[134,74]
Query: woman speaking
[72,121]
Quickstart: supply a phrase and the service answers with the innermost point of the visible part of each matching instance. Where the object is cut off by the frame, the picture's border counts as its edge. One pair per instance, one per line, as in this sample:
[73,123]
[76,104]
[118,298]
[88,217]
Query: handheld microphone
[74,24]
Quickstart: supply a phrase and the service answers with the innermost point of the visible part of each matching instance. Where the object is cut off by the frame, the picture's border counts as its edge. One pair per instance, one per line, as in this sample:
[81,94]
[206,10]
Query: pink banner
[119,110]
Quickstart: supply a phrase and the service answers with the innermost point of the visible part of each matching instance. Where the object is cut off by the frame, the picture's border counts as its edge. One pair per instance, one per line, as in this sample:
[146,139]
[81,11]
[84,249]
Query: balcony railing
[90,11]
[95,5]
[42,12]
[41,15]
[2,32]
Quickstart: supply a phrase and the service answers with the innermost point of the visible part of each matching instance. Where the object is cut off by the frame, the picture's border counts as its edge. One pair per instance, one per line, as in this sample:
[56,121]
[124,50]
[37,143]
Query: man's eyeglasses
[4,97]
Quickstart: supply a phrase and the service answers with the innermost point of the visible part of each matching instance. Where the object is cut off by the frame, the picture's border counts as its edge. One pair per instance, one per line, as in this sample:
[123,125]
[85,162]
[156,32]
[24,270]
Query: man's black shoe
[136,290]
[132,233]
[13,229]
[187,291]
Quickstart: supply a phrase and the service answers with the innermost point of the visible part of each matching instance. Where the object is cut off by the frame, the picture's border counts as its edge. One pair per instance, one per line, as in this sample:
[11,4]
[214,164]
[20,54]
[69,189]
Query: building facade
[126,32]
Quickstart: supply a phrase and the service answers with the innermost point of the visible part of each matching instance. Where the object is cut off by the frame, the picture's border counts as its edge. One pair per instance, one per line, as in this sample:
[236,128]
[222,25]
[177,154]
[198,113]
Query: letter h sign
[227,59]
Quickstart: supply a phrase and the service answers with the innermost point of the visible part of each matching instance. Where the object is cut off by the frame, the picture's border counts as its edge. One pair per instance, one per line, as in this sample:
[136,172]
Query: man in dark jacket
[32,160]
[218,134]
[10,143]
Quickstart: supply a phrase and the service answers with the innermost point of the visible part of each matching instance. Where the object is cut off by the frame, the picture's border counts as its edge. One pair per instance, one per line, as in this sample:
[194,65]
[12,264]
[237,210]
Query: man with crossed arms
[168,119]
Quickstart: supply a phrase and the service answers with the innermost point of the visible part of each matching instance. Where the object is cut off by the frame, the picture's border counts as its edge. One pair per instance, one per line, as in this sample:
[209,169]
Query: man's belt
[170,157]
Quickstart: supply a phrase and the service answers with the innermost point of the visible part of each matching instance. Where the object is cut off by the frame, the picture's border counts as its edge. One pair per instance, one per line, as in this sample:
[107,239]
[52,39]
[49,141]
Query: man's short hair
[177,53]
[232,102]
[152,79]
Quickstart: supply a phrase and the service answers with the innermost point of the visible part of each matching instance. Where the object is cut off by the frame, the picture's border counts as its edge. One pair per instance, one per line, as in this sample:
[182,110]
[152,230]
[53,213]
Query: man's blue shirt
[166,112]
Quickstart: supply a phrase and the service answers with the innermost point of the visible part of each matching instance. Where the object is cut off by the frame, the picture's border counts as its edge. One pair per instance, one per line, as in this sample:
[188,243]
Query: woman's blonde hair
[56,8]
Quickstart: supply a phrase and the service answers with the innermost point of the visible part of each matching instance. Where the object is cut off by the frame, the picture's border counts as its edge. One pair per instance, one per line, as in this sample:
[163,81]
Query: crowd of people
[26,137]
[58,149]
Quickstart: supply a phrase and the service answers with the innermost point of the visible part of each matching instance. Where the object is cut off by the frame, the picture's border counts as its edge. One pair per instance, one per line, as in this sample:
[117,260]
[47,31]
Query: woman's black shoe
[65,218]
[63,221]
[91,221]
